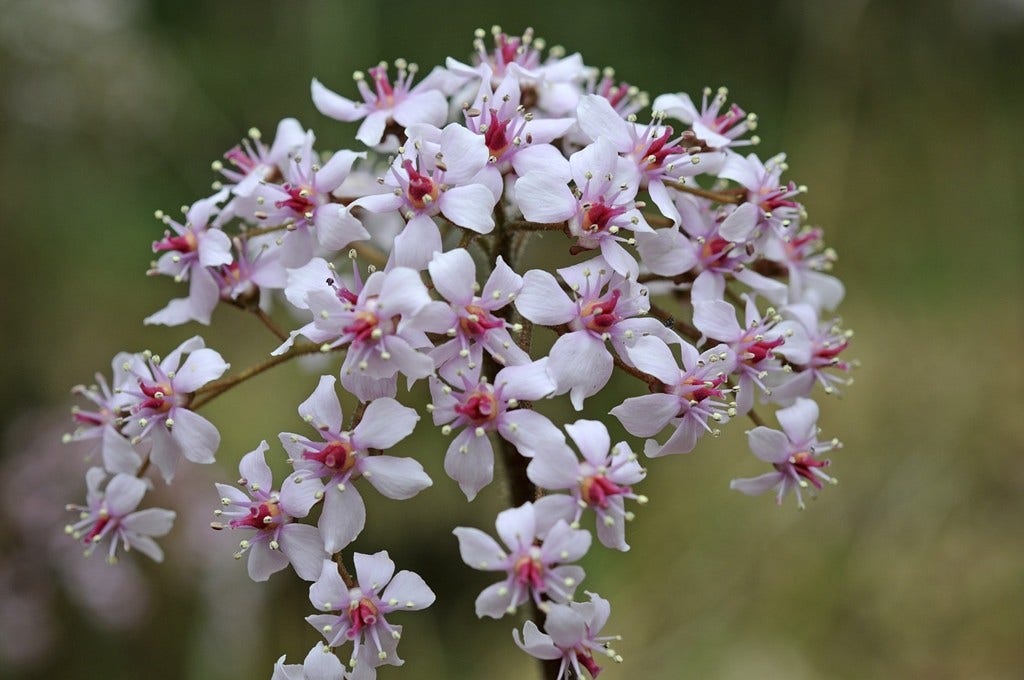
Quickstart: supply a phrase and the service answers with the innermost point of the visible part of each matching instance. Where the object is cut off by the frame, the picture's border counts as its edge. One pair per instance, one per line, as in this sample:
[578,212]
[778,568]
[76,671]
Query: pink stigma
[261,516]
[298,200]
[362,614]
[596,490]
[480,407]
[420,186]
[530,572]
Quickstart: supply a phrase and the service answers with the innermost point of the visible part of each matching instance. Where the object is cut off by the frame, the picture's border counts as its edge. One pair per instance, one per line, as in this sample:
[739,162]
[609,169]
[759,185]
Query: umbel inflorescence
[686,262]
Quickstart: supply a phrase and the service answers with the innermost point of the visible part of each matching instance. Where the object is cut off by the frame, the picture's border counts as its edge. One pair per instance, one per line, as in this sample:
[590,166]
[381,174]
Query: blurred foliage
[901,117]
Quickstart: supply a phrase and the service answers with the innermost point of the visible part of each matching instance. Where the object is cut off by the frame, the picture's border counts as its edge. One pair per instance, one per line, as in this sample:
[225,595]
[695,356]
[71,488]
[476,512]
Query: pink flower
[386,102]
[343,456]
[253,161]
[755,346]
[805,259]
[110,513]
[189,250]
[531,568]
[278,539]
[320,664]
[792,452]
[602,481]
[691,396]
[572,636]
[601,206]
[776,202]
[716,129]
[483,407]
[363,608]
[827,341]
[607,307]
[159,405]
[472,325]
[433,175]
[101,426]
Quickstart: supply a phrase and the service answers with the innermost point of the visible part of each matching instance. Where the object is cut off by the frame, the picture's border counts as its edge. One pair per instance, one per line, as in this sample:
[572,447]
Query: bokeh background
[903,118]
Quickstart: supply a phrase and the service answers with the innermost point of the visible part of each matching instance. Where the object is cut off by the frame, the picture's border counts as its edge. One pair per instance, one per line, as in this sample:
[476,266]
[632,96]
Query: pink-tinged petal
[740,223]
[661,198]
[385,423]
[683,440]
[234,495]
[470,462]
[707,287]
[541,158]
[204,293]
[563,575]
[504,349]
[529,431]
[429,106]
[321,664]
[651,355]
[775,291]
[545,198]
[123,494]
[416,244]
[591,437]
[263,562]
[366,388]
[667,252]
[745,394]
[611,525]
[147,546]
[202,210]
[502,285]
[164,452]
[444,403]
[299,493]
[479,550]
[255,471]
[470,206]
[380,203]
[755,486]
[565,626]
[454,275]
[197,436]
[536,643]
[769,445]
[465,153]
[172,361]
[494,601]
[335,170]
[552,508]
[598,120]
[564,544]
[716,319]
[619,259]
[517,527]
[329,592]
[371,130]
[527,382]
[304,548]
[322,409]
[678,106]
[335,106]
[396,478]
[118,453]
[343,517]
[288,136]
[214,248]
[822,290]
[411,591]
[543,301]
[554,468]
[580,364]
[373,571]
[310,277]
[594,162]
[402,292]
[797,347]
[336,227]
[646,415]
[799,421]
[545,130]
[404,358]
[201,367]
[150,522]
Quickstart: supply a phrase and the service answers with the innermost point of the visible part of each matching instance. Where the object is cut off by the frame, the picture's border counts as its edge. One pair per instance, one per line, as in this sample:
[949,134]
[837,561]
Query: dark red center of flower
[298,200]
[185,243]
[702,389]
[385,93]
[480,407]
[496,136]
[530,571]
[478,321]
[729,119]
[97,528]
[158,396]
[600,315]
[659,149]
[337,456]
[804,463]
[586,660]
[362,326]
[770,199]
[595,490]
[761,349]
[599,216]
[240,159]
[715,247]
[262,516]
[361,614]
[422,190]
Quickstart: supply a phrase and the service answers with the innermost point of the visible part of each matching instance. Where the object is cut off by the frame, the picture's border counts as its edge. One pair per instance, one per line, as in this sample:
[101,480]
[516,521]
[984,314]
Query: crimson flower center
[530,571]
[337,455]
[361,614]
[595,490]
[261,516]
[480,407]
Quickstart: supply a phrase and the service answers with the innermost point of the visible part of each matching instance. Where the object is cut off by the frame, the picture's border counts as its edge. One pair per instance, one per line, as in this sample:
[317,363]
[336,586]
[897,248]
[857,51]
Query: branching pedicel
[473,164]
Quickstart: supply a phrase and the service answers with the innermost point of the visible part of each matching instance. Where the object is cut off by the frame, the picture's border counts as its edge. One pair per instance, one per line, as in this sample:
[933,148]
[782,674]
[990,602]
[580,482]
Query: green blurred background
[904,120]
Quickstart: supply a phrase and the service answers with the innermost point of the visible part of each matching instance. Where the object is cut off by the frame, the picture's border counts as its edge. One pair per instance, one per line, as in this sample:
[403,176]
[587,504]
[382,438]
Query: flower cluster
[685,262]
